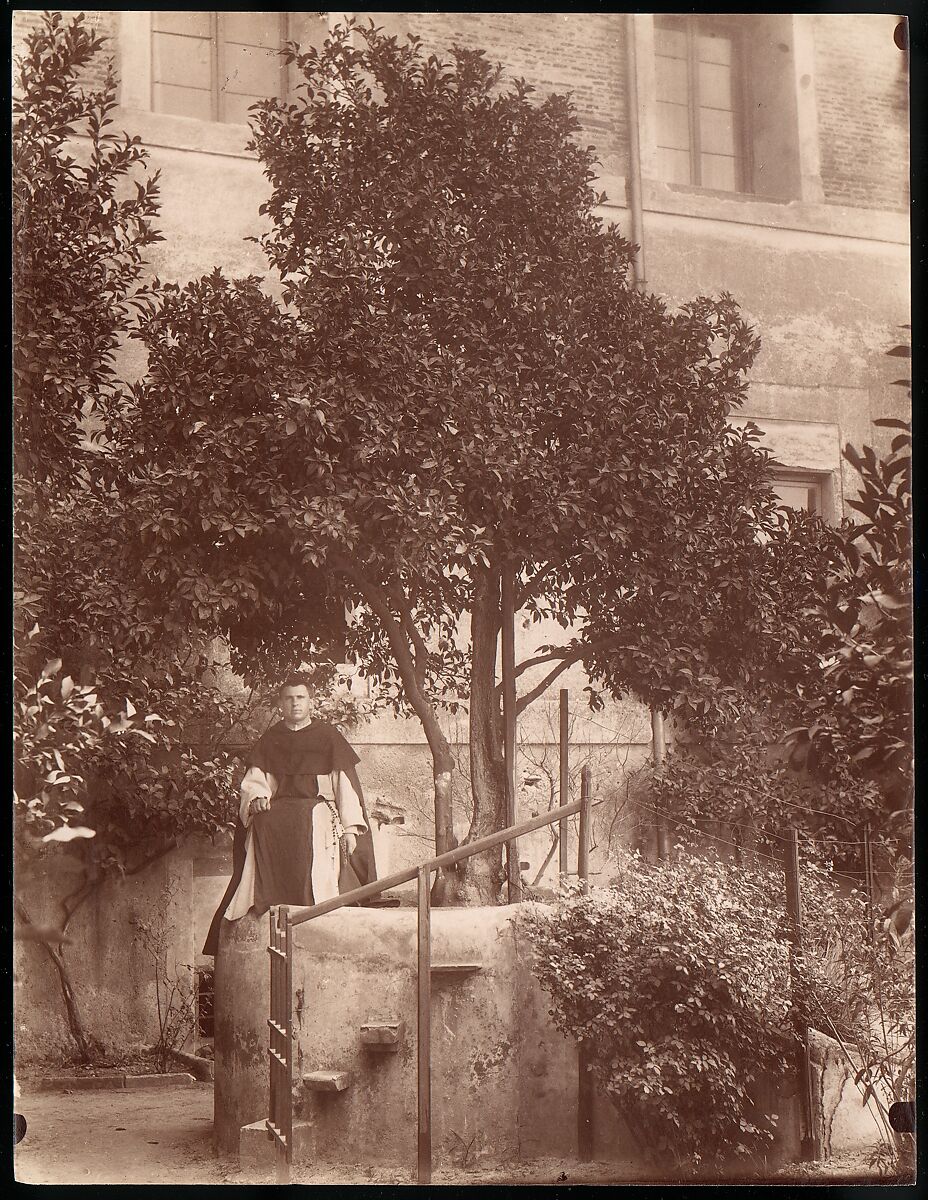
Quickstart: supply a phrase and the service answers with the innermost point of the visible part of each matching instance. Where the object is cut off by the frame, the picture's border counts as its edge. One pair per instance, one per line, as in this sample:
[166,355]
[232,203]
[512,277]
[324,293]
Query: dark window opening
[205,1002]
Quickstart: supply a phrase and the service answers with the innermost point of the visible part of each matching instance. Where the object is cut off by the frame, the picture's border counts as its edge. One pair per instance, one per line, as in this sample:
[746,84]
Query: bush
[677,980]
[757,797]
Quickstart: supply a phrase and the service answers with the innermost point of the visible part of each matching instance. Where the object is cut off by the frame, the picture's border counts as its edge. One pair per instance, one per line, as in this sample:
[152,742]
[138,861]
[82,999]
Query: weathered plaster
[504,1080]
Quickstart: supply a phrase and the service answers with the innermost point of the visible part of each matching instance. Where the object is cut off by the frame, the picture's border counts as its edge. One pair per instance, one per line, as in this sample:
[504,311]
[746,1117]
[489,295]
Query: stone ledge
[199,1068]
[326,1081]
[257,1149]
[86,1083]
[807,216]
[175,1079]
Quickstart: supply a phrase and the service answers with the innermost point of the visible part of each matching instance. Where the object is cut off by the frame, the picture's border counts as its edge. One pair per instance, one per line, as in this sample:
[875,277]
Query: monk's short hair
[297,679]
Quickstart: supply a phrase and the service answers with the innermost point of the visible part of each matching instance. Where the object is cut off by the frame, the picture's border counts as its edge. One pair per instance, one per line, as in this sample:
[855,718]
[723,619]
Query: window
[215,65]
[800,493]
[701,126]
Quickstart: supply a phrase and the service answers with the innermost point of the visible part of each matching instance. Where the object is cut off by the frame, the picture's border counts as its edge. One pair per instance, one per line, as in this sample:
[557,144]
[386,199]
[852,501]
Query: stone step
[383,1037]
[326,1081]
[454,970]
[257,1150]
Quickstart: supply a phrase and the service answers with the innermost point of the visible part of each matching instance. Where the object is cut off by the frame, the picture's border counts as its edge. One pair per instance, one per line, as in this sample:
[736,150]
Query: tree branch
[573,654]
[528,588]
[90,885]
[75,1021]
[378,598]
[524,701]
[78,896]
[565,658]
[401,600]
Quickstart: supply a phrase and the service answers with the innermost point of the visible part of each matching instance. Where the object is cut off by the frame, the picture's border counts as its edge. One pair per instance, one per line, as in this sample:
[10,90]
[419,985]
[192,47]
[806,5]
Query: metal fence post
[424,1014]
[869,882]
[564,780]
[508,652]
[585,1080]
[804,1061]
[658,747]
[583,848]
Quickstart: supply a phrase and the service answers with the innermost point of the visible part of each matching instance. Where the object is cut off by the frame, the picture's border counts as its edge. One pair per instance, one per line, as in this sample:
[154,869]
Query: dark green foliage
[81,223]
[862,708]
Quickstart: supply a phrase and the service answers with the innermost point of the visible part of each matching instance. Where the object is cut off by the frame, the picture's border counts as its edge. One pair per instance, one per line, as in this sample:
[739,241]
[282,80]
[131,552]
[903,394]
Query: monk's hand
[260,804]
[349,841]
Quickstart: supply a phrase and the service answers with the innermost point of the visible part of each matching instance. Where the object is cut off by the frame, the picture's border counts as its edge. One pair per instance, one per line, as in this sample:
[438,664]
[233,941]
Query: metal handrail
[422,873]
[449,858]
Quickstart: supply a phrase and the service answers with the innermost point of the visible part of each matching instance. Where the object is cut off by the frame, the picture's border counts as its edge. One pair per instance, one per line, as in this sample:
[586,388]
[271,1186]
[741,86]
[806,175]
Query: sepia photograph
[463,650]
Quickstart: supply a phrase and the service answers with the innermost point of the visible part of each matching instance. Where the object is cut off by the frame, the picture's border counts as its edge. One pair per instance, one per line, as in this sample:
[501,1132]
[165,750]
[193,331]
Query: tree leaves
[77,250]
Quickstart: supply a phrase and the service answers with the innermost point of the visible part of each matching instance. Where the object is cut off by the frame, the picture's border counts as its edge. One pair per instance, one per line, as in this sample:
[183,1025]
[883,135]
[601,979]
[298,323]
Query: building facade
[770,156]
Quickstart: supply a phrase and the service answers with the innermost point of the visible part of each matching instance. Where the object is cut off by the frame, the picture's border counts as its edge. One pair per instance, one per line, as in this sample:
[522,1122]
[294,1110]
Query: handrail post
[424,1015]
[279,1121]
[449,858]
[283,918]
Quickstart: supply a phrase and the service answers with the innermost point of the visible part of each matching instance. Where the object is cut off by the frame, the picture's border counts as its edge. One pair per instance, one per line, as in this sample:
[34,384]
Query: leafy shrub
[60,726]
[859,707]
[677,980]
[757,797]
[175,994]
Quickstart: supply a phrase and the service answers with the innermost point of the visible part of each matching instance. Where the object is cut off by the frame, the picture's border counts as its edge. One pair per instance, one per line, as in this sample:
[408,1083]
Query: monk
[302,827]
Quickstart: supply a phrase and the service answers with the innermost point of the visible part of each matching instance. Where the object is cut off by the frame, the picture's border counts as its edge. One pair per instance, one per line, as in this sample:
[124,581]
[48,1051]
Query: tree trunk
[483,874]
[399,630]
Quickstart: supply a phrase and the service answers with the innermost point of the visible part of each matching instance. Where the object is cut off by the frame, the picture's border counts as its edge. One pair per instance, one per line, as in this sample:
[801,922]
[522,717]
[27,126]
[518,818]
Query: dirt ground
[164,1136]
[152,1135]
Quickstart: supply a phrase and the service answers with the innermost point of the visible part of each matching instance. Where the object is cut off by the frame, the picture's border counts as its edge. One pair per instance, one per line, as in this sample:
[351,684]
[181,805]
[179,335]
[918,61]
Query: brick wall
[580,53]
[104,22]
[862,94]
[860,77]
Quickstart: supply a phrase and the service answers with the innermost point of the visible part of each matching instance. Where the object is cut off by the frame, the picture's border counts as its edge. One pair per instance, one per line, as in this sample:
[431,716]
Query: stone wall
[582,54]
[844,1121]
[112,974]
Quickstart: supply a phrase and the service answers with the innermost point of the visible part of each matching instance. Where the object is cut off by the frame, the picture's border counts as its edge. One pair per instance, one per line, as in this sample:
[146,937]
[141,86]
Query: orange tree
[461,383]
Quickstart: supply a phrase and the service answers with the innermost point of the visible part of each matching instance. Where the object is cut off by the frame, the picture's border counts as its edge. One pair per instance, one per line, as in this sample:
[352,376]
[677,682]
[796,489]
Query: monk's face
[295,704]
